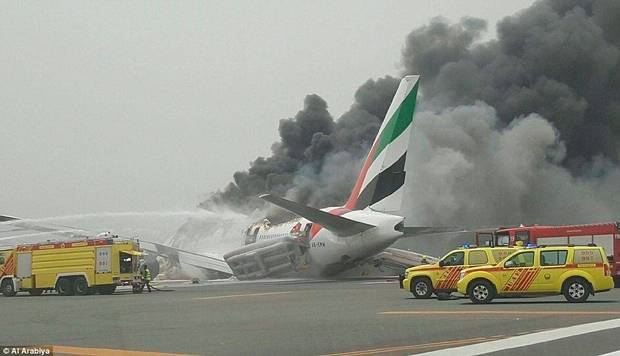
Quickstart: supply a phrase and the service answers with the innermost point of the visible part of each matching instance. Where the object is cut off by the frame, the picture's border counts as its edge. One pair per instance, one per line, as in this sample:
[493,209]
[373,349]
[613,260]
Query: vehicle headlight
[462,275]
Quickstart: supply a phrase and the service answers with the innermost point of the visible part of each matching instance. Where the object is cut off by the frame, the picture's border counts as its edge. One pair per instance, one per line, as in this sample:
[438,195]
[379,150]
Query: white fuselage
[329,253]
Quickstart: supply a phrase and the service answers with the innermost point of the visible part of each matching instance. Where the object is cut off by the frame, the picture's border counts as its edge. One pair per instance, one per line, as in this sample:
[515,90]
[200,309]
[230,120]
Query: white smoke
[466,169]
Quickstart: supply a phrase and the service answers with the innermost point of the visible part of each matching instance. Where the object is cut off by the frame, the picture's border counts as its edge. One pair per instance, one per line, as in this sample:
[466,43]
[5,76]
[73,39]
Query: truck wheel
[35,291]
[481,292]
[576,290]
[64,286]
[80,286]
[8,289]
[106,290]
[421,288]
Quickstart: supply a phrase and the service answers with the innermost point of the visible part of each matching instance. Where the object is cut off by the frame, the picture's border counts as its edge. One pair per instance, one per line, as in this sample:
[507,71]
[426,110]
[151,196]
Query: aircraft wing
[339,225]
[398,259]
[185,257]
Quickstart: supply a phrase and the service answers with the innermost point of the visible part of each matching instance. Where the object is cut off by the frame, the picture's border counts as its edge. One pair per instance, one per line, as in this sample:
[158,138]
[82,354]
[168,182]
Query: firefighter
[146,277]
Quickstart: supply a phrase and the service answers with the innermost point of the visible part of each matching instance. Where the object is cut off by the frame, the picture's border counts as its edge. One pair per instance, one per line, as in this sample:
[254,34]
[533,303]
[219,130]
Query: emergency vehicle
[574,271]
[441,277]
[70,267]
[605,235]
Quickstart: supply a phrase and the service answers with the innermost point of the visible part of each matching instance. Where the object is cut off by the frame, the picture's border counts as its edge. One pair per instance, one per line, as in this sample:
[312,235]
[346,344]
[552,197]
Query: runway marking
[241,295]
[528,339]
[379,282]
[613,353]
[88,351]
[412,347]
[499,312]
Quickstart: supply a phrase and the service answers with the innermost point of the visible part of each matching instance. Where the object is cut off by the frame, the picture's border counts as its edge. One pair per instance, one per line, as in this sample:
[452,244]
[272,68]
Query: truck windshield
[485,239]
[126,261]
[502,239]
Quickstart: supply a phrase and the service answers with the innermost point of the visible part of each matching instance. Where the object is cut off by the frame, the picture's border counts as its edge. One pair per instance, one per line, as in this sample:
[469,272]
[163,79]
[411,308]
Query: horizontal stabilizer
[429,230]
[339,225]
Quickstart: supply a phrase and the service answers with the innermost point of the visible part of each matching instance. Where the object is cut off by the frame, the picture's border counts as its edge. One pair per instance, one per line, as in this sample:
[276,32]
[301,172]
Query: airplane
[325,242]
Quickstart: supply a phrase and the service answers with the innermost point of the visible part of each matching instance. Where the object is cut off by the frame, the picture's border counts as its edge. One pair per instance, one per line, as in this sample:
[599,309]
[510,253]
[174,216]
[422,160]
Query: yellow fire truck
[70,267]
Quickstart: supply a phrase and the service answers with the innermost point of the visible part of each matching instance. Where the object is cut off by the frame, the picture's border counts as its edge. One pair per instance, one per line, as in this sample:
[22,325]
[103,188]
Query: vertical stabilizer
[380,184]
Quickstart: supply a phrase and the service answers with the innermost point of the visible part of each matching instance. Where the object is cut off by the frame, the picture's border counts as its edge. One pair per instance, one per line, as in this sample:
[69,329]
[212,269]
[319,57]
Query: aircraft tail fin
[381,181]
[339,225]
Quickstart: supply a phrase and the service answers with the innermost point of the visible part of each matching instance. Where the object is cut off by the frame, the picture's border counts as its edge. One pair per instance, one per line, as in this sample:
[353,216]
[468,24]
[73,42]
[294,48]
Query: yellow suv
[575,271]
[441,277]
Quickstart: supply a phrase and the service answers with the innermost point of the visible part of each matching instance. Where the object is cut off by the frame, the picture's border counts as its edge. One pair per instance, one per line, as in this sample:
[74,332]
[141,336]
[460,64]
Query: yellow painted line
[498,312]
[88,351]
[386,350]
[241,295]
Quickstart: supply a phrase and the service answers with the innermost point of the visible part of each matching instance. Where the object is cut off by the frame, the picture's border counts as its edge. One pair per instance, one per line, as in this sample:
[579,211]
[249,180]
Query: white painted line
[613,353]
[380,282]
[528,339]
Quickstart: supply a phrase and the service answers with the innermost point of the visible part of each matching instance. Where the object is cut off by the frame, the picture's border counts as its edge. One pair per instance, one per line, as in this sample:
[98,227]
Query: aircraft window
[523,236]
[126,263]
[454,259]
[478,258]
[502,239]
[523,259]
[553,258]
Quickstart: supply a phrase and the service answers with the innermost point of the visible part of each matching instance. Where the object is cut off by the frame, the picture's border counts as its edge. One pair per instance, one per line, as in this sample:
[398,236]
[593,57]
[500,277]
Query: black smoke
[522,128]
[316,159]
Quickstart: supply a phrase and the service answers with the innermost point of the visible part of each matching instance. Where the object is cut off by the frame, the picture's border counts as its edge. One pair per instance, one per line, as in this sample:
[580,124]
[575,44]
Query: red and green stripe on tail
[381,181]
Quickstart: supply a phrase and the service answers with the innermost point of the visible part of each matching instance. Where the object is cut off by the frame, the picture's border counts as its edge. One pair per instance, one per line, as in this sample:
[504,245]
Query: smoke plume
[521,128]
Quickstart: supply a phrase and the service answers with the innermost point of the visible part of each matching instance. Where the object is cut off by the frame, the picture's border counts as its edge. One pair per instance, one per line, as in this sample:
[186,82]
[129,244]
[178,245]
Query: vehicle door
[552,265]
[451,266]
[517,272]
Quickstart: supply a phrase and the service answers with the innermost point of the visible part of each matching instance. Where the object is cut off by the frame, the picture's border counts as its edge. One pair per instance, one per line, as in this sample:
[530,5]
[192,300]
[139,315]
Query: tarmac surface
[296,317]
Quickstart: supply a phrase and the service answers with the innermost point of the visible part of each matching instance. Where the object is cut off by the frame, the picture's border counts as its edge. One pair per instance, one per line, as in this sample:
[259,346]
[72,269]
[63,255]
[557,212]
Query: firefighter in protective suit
[146,277]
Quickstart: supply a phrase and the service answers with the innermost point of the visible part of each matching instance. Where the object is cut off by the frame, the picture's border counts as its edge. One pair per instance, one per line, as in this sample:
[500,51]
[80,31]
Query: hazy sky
[134,106]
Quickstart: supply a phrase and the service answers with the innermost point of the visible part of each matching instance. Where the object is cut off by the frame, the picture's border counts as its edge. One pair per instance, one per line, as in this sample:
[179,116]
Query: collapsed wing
[177,255]
[339,225]
[398,259]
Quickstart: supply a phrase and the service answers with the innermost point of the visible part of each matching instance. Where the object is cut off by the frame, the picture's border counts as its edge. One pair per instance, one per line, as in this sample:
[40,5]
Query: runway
[299,317]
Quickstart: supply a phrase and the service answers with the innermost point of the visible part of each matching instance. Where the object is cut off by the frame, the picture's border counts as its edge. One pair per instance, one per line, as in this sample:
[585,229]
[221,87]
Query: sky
[149,106]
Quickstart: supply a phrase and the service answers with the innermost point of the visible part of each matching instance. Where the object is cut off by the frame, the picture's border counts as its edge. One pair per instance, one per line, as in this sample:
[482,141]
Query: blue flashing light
[530,246]
[465,245]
